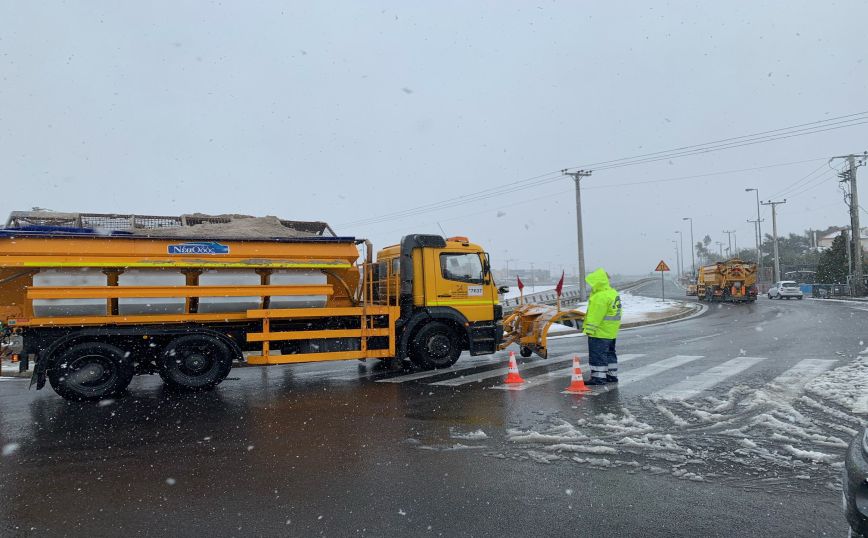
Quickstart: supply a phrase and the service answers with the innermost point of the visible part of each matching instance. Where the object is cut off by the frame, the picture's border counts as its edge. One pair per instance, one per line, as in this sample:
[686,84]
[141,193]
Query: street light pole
[677,264]
[692,246]
[577,177]
[681,236]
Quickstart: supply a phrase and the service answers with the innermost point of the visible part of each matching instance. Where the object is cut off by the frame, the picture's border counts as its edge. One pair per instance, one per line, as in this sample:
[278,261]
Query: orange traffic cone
[577,385]
[512,375]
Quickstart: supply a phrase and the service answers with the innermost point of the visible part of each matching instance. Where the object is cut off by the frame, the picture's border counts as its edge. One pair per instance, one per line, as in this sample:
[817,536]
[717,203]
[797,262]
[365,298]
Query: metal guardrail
[569,296]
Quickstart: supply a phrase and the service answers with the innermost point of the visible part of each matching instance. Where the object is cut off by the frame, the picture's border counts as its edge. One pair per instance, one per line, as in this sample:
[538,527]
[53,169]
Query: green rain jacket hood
[598,280]
[603,318]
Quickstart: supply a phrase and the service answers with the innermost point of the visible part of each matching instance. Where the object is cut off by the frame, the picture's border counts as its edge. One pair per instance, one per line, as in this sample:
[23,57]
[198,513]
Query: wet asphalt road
[330,450]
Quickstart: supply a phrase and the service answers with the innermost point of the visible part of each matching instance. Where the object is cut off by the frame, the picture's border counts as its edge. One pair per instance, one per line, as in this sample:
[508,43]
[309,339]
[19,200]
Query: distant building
[825,241]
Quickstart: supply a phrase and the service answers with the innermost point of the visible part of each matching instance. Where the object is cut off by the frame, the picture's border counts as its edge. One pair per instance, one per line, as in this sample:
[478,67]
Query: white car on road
[785,289]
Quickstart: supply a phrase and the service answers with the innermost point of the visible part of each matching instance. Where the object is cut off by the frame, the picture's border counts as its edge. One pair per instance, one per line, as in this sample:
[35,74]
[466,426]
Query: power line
[821,180]
[560,193]
[709,174]
[550,177]
[732,139]
[797,182]
[727,146]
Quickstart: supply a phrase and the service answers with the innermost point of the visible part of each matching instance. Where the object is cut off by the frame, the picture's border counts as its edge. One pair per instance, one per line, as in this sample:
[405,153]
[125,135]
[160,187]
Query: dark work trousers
[601,355]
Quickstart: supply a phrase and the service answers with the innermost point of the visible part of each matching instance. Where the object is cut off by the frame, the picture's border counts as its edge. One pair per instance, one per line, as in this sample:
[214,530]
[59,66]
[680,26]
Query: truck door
[461,283]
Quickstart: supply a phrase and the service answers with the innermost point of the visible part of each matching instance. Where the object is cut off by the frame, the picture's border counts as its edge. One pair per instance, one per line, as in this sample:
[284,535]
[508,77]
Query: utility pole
[719,248]
[692,246]
[677,264]
[681,259]
[729,239]
[774,205]
[857,286]
[759,237]
[532,279]
[577,177]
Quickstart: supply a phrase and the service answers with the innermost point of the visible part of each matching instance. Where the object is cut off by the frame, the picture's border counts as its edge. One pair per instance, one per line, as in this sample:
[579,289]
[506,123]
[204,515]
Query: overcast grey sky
[340,111]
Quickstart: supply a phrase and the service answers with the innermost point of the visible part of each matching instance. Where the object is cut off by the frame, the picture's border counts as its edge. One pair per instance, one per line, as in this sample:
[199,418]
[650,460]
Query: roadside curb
[850,301]
[690,311]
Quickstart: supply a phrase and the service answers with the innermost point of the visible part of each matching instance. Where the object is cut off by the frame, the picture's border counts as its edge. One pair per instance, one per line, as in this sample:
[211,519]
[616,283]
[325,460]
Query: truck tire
[435,346]
[90,371]
[195,362]
[525,351]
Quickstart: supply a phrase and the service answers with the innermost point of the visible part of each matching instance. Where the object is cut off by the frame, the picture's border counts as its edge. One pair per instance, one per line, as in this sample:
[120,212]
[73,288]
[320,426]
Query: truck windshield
[463,267]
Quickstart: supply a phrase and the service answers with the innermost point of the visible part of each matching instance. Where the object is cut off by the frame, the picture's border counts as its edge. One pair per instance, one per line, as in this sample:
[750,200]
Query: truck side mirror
[503,289]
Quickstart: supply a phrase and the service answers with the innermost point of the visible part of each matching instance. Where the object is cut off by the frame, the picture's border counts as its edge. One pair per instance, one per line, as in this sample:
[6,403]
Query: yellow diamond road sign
[662,266]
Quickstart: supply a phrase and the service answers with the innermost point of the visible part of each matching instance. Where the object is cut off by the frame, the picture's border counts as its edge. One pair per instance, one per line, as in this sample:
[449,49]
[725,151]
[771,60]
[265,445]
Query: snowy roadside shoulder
[639,310]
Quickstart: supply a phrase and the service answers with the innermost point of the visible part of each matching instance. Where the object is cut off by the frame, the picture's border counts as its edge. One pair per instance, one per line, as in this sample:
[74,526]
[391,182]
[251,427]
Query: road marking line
[563,374]
[430,373]
[789,384]
[694,385]
[463,380]
[698,338]
[649,370]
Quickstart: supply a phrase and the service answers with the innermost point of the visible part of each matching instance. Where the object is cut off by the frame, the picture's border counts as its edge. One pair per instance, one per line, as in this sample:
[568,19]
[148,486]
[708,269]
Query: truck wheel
[525,351]
[435,346]
[195,362]
[90,371]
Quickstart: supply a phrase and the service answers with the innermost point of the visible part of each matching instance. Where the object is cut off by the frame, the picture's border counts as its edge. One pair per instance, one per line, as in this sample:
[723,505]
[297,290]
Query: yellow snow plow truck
[99,298]
[731,280]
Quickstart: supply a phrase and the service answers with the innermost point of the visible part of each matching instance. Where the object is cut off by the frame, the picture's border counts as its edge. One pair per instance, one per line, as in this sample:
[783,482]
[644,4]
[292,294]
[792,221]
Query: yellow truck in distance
[732,280]
[100,298]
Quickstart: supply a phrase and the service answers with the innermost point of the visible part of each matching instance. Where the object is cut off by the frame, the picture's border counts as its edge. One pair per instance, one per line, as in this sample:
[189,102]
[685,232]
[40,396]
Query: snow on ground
[513,291]
[846,386]
[469,436]
[636,308]
[777,435]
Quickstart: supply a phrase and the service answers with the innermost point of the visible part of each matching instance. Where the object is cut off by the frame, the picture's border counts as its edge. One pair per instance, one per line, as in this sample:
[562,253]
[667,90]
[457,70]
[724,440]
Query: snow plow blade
[528,326]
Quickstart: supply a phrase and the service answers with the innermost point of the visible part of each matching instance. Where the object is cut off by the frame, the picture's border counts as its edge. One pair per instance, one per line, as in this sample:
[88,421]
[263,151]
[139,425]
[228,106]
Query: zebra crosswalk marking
[696,384]
[458,381]
[563,375]
[655,368]
[430,373]
[789,384]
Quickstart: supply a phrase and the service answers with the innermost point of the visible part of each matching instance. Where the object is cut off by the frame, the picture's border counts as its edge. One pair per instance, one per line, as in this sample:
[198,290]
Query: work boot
[611,378]
[596,381]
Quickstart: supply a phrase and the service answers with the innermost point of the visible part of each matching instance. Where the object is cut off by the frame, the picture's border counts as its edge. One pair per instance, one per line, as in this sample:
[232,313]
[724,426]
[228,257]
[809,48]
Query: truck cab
[447,296]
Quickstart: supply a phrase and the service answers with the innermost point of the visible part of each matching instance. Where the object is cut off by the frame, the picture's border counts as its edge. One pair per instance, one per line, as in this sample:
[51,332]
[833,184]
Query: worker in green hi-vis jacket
[602,322]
